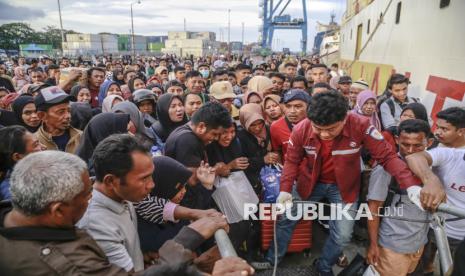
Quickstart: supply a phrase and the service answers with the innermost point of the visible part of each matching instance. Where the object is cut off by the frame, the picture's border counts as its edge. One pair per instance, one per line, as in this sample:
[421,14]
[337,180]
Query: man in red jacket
[331,140]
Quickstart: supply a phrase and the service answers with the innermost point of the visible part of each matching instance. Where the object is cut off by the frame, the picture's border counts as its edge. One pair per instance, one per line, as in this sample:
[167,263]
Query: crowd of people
[109,168]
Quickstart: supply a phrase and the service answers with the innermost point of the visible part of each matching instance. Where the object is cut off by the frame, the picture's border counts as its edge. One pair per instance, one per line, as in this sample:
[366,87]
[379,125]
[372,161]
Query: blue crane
[274,20]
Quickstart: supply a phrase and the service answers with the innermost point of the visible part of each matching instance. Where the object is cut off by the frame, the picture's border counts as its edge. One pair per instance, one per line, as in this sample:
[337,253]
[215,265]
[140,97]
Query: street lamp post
[242,48]
[229,31]
[61,26]
[132,28]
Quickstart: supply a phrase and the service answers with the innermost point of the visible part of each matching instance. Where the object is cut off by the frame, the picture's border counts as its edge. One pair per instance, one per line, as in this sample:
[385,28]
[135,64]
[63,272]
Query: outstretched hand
[206,175]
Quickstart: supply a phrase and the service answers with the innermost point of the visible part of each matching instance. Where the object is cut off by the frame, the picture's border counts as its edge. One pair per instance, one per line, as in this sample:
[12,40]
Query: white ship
[328,39]
[423,39]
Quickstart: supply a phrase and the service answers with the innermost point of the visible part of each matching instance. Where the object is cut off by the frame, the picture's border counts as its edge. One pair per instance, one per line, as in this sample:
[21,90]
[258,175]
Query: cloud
[157,18]
[9,12]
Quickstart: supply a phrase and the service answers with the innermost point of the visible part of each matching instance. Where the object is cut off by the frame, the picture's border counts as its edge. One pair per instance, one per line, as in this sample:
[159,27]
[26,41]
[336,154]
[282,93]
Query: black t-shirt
[184,146]
[62,140]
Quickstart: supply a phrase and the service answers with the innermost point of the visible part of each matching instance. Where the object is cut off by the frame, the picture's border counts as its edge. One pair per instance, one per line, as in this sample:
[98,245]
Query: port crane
[272,14]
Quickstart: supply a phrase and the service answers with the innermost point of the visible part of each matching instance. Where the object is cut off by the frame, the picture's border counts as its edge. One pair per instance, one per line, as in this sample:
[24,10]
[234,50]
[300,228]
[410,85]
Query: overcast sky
[157,17]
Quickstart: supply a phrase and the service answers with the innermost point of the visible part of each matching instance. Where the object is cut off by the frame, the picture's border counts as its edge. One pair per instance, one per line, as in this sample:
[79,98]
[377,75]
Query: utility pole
[61,23]
[242,48]
[229,31]
[132,28]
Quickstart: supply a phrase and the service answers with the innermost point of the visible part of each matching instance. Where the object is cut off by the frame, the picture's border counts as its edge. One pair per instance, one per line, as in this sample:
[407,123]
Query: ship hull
[427,44]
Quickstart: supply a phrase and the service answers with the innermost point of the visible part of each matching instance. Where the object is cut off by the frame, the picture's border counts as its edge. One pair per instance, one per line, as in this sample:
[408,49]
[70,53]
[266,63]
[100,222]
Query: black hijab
[167,175]
[7,84]
[18,106]
[81,113]
[99,128]
[115,76]
[419,110]
[217,153]
[165,126]
[75,90]
[8,118]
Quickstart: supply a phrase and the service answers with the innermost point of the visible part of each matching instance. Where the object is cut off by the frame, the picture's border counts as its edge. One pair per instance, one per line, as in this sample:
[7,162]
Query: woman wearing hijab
[20,79]
[156,212]
[272,109]
[226,156]
[118,76]
[255,142]
[80,93]
[257,88]
[156,88]
[108,88]
[136,83]
[366,106]
[261,85]
[99,128]
[26,112]
[137,119]
[414,111]
[411,111]
[111,101]
[170,113]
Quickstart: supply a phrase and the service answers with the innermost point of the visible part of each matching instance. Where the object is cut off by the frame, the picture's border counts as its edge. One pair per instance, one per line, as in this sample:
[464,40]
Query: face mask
[205,73]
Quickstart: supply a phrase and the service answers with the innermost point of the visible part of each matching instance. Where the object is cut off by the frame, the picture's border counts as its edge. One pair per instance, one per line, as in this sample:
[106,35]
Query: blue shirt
[62,140]
[5,187]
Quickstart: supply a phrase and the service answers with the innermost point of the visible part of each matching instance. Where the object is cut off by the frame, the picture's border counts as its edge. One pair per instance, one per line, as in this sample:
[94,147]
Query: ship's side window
[444,3]
[368,26]
[399,7]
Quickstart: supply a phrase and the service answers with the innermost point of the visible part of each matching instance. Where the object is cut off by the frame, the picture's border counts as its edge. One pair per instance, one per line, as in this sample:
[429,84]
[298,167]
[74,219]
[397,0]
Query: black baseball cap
[296,94]
[345,79]
[51,96]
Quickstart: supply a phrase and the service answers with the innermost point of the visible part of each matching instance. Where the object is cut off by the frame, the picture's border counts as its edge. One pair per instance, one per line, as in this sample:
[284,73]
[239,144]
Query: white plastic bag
[371,271]
[231,195]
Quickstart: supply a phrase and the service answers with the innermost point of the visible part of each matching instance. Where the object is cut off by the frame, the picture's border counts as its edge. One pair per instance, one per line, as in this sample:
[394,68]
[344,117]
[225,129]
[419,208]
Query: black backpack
[390,102]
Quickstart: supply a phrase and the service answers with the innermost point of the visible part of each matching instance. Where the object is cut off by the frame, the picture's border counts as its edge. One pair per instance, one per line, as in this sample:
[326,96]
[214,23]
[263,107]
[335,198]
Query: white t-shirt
[449,166]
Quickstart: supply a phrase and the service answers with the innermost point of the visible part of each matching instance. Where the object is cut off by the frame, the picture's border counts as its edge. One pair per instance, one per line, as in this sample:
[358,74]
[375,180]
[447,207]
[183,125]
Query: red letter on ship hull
[444,88]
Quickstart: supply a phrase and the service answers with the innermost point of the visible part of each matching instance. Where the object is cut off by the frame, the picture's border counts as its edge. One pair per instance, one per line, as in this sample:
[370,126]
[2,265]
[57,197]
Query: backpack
[392,108]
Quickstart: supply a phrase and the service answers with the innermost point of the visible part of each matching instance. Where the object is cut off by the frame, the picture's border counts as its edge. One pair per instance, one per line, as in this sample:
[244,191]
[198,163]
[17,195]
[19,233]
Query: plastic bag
[231,195]
[270,176]
[158,147]
[371,271]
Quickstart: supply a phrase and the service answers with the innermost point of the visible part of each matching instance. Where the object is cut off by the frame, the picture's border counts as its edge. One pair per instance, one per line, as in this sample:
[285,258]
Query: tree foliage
[14,34]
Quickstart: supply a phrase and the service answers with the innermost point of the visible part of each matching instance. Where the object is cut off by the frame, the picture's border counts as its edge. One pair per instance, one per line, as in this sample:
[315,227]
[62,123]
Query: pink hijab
[19,79]
[362,98]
